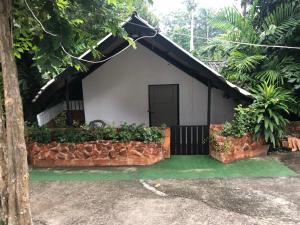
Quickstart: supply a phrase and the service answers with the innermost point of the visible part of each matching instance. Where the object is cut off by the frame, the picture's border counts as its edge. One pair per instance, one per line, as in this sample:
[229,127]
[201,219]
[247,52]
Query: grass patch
[178,167]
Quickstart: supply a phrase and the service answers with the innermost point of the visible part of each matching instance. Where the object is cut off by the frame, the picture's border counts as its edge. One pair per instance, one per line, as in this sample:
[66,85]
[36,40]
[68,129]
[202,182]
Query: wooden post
[208,102]
[208,111]
[67,96]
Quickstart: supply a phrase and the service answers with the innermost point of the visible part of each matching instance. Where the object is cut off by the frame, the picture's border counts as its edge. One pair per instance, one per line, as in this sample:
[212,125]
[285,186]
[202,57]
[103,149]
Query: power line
[242,43]
[42,26]
[79,58]
[101,61]
[234,42]
[152,36]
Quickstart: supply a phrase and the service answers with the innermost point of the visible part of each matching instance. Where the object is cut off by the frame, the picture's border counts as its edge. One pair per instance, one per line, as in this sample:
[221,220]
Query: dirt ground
[202,201]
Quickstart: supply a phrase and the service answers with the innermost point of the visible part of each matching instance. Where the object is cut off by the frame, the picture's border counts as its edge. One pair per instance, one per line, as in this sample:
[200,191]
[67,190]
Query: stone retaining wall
[292,139]
[236,148]
[98,153]
[293,127]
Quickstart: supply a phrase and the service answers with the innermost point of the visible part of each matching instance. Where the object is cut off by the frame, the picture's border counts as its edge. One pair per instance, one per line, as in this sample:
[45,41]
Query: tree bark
[3,167]
[18,189]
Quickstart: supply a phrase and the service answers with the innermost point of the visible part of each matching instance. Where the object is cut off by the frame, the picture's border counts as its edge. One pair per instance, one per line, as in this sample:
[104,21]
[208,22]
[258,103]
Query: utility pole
[207,26]
[191,7]
[192,47]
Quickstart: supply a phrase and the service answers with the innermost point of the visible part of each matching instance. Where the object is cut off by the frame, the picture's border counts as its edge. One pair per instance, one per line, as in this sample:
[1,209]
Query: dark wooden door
[164,105]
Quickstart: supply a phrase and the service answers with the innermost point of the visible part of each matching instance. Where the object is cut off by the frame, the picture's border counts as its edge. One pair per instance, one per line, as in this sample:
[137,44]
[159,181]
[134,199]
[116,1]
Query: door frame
[149,108]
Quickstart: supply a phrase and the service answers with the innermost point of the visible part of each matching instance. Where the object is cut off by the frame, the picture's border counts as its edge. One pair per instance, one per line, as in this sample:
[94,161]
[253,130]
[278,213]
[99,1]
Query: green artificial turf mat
[178,167]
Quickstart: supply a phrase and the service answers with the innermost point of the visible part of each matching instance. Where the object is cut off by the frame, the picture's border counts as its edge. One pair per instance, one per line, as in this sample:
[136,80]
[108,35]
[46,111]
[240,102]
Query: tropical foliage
[265,117]
[242,38]
[272,74]
[251,65]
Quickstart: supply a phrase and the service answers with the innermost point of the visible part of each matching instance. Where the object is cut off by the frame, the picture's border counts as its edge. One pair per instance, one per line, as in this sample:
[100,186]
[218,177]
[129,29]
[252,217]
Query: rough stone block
[239,148]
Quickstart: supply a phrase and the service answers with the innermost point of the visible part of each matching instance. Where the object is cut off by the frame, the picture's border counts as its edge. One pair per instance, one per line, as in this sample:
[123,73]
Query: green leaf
[260,118]
[257,128]
[131,42]
[77,67]
[276,119]
[273,140]
[112,2]
[18,55]
[271,126]
[62,4]
[266,123]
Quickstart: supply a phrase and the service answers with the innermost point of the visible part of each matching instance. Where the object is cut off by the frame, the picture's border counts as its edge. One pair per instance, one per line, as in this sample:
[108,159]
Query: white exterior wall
[117,91]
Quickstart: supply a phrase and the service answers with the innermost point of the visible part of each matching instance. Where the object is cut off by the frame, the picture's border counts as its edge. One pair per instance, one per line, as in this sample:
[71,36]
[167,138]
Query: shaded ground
[199,201]
[291,160]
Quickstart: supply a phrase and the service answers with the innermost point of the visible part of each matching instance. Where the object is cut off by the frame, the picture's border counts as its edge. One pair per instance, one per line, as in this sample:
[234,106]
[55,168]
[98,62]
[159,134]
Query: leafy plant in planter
[265,117]
[242,123]
[224,147]
[126,132]
[270,107]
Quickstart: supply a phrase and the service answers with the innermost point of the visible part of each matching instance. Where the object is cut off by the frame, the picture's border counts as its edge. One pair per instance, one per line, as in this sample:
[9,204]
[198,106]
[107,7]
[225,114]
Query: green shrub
[126,132]
[242,123]
[129,132]
[60,120]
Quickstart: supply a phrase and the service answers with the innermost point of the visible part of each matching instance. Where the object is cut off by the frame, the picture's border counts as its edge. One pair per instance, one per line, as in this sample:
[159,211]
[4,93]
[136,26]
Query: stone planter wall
[235,148]
[292,143]
[292,140]
[293,127]
[98,153]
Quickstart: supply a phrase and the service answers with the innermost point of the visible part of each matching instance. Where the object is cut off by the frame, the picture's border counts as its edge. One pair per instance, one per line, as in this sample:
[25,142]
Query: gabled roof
[159,44]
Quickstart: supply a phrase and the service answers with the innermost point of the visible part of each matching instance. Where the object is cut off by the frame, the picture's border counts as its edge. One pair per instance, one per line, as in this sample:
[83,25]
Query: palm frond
[227,19]
[271,76]
[279,70]
[281,23]
[244,63]
[236,27]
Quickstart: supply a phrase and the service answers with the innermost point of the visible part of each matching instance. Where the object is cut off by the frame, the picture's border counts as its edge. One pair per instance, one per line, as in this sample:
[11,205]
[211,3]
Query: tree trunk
[17,167]
[3,167]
